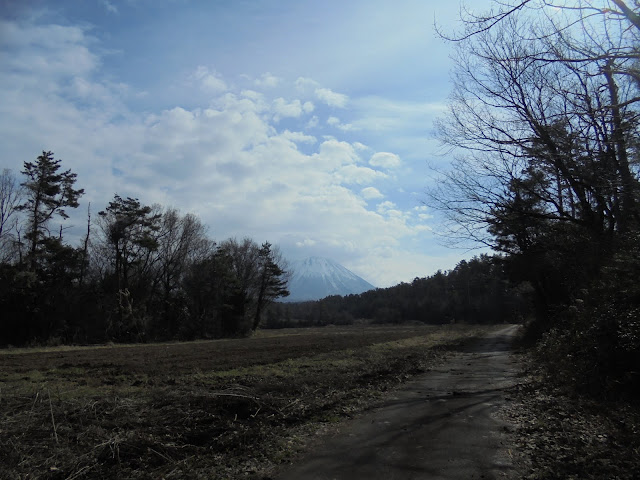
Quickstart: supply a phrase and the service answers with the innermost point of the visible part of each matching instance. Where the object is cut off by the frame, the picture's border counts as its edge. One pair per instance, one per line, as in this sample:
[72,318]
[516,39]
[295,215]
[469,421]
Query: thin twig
[55,431]
[237,395]
[166,457]
[80,472]
[34,401]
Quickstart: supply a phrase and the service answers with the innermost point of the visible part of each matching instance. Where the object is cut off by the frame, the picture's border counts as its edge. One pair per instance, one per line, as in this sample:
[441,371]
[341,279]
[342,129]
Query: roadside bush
[594,346]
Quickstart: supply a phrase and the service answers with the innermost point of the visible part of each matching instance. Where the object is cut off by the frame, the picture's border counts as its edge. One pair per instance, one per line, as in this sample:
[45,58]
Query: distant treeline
[476,291]
[140,273]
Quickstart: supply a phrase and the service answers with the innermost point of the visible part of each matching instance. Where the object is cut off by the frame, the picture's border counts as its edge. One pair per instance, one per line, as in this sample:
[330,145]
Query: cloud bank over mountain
[283,158]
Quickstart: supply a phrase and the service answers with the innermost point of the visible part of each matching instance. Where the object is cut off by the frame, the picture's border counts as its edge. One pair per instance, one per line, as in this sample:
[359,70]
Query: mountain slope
[315,278]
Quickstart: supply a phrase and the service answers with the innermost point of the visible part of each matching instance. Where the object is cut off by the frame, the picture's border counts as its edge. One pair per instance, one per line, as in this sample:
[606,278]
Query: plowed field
[213,409]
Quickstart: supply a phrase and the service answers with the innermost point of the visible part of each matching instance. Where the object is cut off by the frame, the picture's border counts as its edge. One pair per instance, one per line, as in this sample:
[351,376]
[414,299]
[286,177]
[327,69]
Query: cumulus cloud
[385,160]
[293,109]
[313,122]
[252,94]
[210,81]
[110,7]
[307,242]
[421,212]
[267,80]
[335,153]
[43,56]
[387,206]
[345,127]
[298,137]
[331,98]
[225,159]
[371,193]
[353,174]
[306,85]
[282,108]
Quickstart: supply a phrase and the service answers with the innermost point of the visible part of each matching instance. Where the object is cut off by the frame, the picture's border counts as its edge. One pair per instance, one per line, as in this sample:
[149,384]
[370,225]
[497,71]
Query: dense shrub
[595,344]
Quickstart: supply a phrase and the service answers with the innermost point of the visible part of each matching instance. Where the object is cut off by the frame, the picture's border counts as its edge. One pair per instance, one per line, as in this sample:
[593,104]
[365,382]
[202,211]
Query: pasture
[235,408]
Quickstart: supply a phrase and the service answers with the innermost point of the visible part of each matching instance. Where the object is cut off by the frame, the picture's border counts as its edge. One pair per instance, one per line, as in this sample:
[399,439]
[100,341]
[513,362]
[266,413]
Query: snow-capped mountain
[315,278]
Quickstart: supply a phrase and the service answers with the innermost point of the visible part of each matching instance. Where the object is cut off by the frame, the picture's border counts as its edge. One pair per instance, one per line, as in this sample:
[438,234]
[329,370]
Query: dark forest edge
[141,272]
[147,273]
[477,291]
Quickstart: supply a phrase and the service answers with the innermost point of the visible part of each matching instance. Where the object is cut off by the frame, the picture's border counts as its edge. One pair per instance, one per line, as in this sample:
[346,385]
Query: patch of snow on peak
[317,277]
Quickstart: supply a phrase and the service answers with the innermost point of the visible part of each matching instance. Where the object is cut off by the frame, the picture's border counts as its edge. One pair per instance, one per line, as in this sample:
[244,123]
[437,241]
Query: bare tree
[581,32]
[182,241]
[10,198]
[543,125]
[553,133]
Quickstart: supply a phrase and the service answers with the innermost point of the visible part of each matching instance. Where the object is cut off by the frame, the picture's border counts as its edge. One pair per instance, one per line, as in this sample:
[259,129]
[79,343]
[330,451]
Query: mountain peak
[318,277]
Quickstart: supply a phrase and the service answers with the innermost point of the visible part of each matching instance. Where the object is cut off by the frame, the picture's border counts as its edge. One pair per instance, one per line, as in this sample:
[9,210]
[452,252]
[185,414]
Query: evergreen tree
[272,280]
[129,235]
[48,192]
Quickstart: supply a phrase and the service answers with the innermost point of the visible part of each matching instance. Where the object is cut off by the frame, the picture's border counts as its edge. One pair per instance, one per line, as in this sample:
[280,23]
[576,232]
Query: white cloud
[371,193]
[210,81]
[386,206]
[313,122]
[267,80]
[305,85]
[42,56]
[298,137]
[335,153]
[385,160]
[353,174]
[224,158]
[345,127]
[284,109]
[331,98]
[421,212]
[252,94]
[111,8]
[307,242]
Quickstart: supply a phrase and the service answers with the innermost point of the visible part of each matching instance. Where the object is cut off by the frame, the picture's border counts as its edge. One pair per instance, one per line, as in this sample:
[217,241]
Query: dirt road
[441,426]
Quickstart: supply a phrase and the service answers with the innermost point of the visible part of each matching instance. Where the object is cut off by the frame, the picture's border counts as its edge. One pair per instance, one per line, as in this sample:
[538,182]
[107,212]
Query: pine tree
[48,192]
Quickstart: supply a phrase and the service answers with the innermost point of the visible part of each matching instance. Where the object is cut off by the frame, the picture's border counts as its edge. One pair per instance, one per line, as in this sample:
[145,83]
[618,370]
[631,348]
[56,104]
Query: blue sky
[308,124]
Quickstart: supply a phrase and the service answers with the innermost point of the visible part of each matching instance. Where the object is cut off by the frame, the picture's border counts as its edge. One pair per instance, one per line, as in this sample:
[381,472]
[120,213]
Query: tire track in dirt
[441,426]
